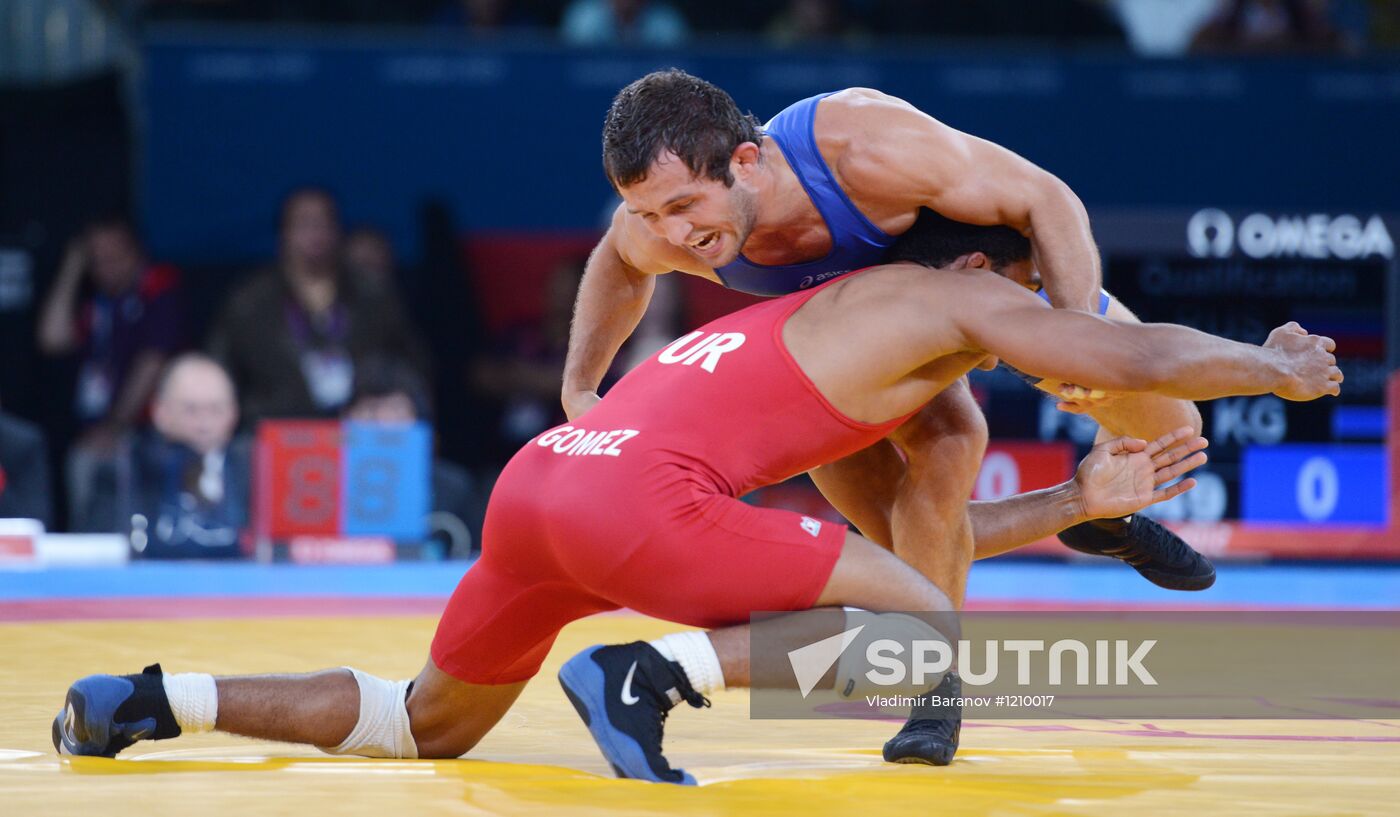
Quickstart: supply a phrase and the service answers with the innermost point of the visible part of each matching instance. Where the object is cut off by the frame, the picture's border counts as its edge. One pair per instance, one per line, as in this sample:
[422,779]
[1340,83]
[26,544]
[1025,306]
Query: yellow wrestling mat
[540,760]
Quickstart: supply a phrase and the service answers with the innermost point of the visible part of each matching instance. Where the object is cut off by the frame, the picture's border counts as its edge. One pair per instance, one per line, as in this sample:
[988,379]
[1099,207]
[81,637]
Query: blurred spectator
[525,372]
[811,21]
[24,471]
[1385,23]
[160,10]
[181,490]
[369,254]
[1267,26]
[1162,28]
[1061,21]
[390,393]
[1353,20]
[622,22]
[57,41]
[123,317]
[483,16]
[293,335]
[308,11]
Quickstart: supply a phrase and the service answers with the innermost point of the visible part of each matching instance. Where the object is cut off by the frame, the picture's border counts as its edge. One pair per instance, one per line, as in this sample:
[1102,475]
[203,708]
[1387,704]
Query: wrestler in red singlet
[635,505]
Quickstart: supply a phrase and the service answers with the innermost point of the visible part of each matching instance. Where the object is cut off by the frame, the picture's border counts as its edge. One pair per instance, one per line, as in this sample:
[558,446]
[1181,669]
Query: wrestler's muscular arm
[1002,319]
[995,316]
[898,158]
[612,297]
[1142,415]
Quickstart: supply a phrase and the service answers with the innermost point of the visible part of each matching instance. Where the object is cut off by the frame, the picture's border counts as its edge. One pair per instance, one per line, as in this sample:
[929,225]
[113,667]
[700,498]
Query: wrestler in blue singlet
[855,242]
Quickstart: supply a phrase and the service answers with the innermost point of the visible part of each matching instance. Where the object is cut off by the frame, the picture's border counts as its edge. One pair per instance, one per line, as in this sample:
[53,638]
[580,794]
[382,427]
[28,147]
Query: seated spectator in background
[181,490]
[123,318]
[1354,21]
[811,21]
[1267,26]
[391,393]
[1162,28]
[24,471]
[622,22]
[369,254]
[1384,24]
[292,337]
[369,259]
[1061,21]
[483,16]
[526,366]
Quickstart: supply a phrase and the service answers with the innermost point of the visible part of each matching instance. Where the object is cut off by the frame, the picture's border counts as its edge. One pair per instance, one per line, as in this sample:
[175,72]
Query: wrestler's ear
[744,159]
[972,260]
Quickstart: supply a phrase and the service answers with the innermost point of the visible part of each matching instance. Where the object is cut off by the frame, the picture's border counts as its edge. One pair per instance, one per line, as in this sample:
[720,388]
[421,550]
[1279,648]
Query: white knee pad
[383,729]
[904,630]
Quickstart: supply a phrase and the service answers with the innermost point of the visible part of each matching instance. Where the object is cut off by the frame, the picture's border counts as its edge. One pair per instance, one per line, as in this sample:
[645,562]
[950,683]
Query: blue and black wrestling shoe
[623,693]
[930,736]
[104,714]
[1156,553]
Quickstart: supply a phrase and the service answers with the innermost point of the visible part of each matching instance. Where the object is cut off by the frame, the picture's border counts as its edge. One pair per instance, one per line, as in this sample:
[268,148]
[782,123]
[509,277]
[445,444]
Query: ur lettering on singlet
[699,348]
[856,243]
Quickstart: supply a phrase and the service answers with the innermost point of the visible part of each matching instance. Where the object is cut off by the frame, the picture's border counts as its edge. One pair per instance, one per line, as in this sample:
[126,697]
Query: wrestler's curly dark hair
[936,241]
[676,112]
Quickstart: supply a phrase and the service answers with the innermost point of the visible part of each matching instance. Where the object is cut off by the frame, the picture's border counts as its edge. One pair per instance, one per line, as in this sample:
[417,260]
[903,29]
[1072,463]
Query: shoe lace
[927,717]
[664,707]
[665,702]
[939,726]
[686,692]
[660,727]
[695,699]
[1144,540]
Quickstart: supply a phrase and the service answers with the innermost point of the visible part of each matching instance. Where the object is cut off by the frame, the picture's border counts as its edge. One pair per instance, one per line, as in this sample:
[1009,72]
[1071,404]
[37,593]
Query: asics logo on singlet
[575,442]
[819,277]
[704,348]
[812,526]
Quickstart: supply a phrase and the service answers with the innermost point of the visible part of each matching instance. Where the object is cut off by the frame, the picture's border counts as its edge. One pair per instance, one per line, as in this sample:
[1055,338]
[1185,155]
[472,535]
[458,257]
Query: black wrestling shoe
[930,736]
[1158,554]
[623,693]
[104,714]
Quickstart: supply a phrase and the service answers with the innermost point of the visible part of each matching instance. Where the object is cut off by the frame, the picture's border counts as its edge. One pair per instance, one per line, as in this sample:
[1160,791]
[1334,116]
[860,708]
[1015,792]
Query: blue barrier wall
[509,134]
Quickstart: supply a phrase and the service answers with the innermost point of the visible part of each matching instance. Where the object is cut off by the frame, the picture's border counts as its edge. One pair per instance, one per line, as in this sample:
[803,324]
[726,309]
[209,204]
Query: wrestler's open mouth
[707,242]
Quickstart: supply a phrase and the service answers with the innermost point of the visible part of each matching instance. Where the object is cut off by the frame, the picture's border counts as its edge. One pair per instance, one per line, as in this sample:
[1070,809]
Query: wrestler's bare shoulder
[929,294]
[858,118]
[874,143]
[855,101]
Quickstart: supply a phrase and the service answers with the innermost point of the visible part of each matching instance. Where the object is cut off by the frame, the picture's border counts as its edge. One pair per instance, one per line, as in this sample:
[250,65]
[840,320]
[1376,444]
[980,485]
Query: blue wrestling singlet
[855,242]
